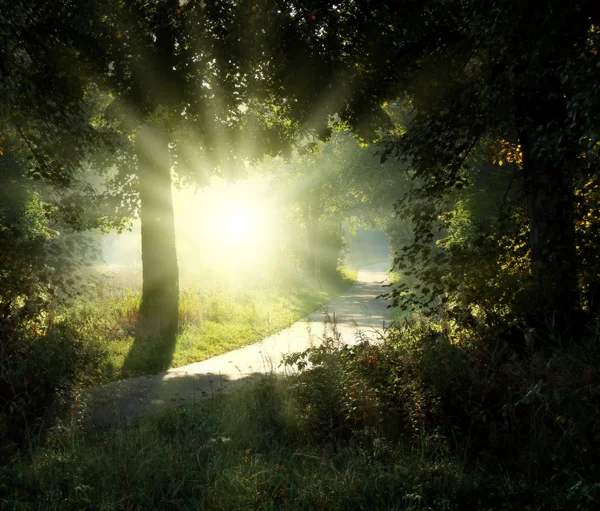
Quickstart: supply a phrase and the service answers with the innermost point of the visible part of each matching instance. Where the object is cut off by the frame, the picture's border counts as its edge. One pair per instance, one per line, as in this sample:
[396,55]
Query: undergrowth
[50,357]
[253,449]
[428,419]
[433,415]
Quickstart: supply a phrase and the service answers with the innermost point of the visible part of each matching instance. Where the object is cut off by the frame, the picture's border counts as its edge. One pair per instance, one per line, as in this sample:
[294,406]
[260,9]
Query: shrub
[534,419]
[37,369]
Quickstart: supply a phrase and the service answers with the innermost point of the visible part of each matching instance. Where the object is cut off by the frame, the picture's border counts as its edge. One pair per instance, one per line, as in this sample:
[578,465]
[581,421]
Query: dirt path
[357,309]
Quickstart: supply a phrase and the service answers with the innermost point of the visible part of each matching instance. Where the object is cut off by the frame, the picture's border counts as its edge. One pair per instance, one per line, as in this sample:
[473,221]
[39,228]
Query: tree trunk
[548,170]
[330,250]
[311,220]
[550,145]
[160,292]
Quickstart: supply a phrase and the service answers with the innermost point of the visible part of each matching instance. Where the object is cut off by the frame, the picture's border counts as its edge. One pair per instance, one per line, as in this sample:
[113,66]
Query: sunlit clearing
[224,233]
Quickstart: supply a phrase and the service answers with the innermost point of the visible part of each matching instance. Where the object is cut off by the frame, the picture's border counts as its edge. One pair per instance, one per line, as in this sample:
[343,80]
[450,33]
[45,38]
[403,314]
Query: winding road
[357,310]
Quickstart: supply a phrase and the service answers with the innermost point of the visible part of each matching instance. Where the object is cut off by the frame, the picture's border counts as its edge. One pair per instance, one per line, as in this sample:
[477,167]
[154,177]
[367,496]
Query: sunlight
[226,230]
[237,224]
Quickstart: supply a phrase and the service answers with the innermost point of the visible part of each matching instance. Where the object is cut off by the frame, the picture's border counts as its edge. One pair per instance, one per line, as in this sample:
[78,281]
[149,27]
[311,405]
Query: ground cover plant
[424,420]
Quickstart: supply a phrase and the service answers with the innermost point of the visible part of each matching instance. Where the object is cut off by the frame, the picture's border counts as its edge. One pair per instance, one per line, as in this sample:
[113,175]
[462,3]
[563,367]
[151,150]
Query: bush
[38,368]
[40,357]
[533,420]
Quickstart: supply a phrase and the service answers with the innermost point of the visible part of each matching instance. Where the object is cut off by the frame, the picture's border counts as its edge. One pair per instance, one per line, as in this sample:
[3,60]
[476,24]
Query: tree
[201,84]
[47,133]
[469,71]
[333,181]
[174,82]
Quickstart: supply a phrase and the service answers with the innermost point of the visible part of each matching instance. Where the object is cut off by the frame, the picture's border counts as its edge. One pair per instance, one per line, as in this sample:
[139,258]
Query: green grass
[389,426]
[254,449]
[212,321]
[249,450]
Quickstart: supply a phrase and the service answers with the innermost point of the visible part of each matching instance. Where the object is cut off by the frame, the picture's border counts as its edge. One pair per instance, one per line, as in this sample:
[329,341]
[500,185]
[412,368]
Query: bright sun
[226,228]
[236,224]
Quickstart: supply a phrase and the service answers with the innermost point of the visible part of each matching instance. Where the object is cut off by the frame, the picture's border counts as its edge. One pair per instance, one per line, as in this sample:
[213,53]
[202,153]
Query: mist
[240,232]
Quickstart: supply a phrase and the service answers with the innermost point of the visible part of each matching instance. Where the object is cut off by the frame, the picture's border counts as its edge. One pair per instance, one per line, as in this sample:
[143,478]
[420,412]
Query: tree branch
[38,158]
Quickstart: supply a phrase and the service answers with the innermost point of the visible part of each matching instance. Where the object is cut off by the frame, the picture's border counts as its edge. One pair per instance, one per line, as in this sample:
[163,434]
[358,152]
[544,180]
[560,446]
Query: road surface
[357,310]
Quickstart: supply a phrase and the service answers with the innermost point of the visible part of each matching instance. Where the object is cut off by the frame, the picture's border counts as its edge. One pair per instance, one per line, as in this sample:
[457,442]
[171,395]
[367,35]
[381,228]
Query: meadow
[213,319]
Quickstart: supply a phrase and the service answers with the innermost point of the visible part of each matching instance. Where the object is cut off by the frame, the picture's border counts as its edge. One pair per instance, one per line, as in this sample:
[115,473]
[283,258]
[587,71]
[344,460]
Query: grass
[213,320]
[422,421]
[249,450]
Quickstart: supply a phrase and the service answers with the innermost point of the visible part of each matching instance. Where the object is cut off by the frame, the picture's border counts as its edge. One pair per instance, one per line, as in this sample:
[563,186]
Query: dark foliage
[534,422]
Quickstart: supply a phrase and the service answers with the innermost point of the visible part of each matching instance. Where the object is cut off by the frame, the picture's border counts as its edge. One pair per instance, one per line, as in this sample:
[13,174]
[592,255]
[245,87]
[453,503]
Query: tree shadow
[126,401]
[151,351]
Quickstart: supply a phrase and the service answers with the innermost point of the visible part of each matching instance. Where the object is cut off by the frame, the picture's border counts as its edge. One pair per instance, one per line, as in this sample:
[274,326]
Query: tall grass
[249,450]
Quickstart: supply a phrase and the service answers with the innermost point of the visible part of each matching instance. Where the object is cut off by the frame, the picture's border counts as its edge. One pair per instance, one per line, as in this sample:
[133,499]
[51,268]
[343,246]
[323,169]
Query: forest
[300,254]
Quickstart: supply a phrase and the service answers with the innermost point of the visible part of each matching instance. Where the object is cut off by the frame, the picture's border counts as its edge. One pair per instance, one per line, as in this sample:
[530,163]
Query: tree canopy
[471,75]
